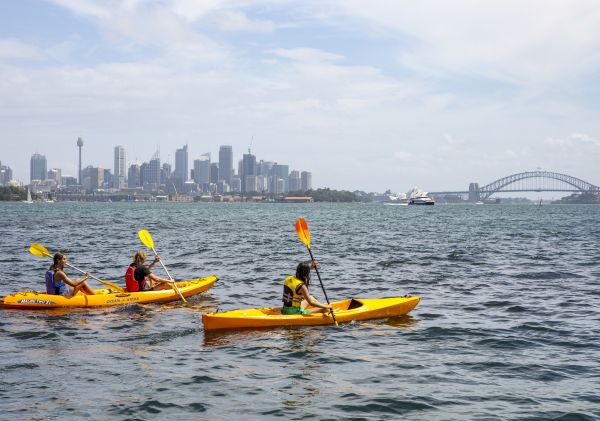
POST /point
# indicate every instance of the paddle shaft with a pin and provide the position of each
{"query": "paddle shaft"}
(170, 277)
(93, 277)
(322, 287)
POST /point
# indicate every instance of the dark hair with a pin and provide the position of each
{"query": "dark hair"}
(57, 258)
(303, 272)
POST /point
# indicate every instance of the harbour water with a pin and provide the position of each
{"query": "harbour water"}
(508, 326)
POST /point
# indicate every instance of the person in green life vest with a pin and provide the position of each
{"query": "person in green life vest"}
(296, 295)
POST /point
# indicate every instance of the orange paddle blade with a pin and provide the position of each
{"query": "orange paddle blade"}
(302, 231)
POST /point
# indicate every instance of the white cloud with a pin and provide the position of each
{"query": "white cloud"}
(574, 142)
(84, 8)
(15, 49)
(235, 20)
(308, 55)
(521, 42)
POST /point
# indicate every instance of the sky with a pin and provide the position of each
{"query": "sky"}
(377, 95)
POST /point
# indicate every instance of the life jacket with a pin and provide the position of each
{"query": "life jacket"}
(291, 295)
(53, 287)
(132, 284)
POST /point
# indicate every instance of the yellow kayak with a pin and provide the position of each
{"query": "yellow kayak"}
(345, 311)
(106, 297)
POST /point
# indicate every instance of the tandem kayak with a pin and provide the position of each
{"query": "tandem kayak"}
(345, 311)
(106, 297)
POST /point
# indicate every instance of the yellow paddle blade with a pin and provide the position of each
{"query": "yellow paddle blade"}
(146, 238)
(303, 232)
(39, 250)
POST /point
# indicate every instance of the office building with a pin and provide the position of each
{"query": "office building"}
(251, 183)
(214, 172)
(120, 168)
(68, 181)
(264, 167)
(109, 180)
(55, 174)
(282, 172)
(6, 174)
(153, 173)
(144, 169)
(306, 181)
(236, 184)
(165, 173)
(248, 169)
(202, 168)
(133, 176)
(226, 163)
(93, 178)
(262, 183)
(294, 181)
(38, 168)
(181, 163)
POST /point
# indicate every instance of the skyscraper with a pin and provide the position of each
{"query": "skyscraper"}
(80, 145)
(248, 168)
(119, 175)
(55, 174)
(202, 169)
(282, 172)
(6, 174)
(38, 168)
(153, 172)
(214, 172)
(295, 180)
(306, 181)
(181, 163)
(133, 176)
(225, 163)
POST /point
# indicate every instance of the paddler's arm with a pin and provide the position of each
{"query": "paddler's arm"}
(156, 259)
(158, 280)
(74, 283)
(312, 300)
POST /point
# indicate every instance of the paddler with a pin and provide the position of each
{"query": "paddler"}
(58, 283)
(139, 277)
(296, 295)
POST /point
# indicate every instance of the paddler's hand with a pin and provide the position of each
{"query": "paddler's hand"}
(314, 264)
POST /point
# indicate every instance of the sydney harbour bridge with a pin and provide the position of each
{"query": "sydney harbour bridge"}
(531, 181)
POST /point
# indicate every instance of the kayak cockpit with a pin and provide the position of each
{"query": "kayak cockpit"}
(344, 305)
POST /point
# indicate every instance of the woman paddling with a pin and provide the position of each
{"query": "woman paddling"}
(296, 295)
(139, 277)
(58, 283)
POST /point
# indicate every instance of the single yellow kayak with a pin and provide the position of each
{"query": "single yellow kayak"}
(345, 311)
(106, 297)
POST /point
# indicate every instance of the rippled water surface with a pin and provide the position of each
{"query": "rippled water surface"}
(508, 326)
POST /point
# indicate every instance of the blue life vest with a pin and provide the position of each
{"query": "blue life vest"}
(52, 287)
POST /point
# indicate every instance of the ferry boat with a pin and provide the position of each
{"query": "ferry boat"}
(421, 200)
(418, 197)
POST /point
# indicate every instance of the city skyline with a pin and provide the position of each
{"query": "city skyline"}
(387, 96)
(252, 176)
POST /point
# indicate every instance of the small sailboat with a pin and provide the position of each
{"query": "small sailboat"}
(28, 197)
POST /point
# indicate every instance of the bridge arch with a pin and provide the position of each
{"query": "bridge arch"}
(500, 185)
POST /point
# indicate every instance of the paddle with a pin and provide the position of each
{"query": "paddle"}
(41, 251)
(147, 240)
(304, 235)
